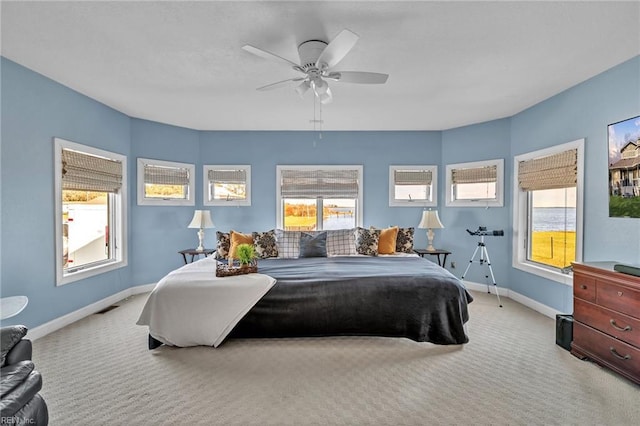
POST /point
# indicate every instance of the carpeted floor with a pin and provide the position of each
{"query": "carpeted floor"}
(98, 371)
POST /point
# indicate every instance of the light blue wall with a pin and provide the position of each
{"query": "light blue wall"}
(485, 141)
(34, 111)
(584, 111)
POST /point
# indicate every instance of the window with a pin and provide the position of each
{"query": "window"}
(165, 183)
(319, 197)
(547, 219)
(413, 185)
(227, 185)
(90, 215)
(477, 184)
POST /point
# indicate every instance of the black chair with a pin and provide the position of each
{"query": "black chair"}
(20, 382)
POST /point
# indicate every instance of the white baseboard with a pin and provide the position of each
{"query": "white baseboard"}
(71, 317)
(515, 296)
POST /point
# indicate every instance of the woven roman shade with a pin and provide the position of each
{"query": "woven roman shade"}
(84, 172)
(486, 174)
(227, 176)
(162, 175)
(307, 183)
(554, 171)
(412, 177)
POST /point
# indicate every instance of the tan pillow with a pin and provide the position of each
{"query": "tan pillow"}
(238, 238)
(387, 243)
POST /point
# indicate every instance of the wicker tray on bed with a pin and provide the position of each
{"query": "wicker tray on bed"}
(225, 270)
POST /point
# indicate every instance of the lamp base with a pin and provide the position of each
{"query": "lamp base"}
(200, 240)
(430, 236)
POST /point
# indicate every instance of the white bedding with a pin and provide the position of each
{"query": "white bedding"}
(191, 306)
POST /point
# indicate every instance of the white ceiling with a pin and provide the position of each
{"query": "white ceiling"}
(450, 63)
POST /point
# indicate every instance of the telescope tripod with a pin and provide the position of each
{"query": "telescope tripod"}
(484, 258)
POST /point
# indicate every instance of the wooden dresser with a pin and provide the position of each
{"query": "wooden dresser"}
(606, 313)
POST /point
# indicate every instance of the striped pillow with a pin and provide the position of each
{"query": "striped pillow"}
(288, 243)
(341, 242)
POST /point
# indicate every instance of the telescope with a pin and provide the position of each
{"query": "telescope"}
(482, 231)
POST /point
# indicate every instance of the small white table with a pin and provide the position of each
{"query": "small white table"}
(12, 306)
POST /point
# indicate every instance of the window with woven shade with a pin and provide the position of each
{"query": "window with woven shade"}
(227, 185)
(90, 211)
(165, 183)
(548, 208)
(475, 184)
(413, 186)
(319, 197)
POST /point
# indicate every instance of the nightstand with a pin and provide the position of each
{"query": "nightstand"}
(437, 252)
(194, 253)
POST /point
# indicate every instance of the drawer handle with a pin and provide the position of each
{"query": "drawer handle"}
(582, 286)
(617, 355)
(614, 325)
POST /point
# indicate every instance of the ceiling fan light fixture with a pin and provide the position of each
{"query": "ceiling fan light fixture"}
(320, 86)
(302, 88)
(326, 97)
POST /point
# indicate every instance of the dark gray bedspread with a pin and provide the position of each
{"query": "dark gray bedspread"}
(380, 296)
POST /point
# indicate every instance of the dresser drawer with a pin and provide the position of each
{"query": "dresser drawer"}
(613, 323)
(584, 287)
(608, 350)
(618, 298)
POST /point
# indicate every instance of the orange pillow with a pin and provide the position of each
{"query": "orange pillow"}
(387, 243)
(238, 238)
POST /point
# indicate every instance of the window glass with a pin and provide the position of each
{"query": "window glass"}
(90, 213)
(227, 185)
(476, 184)
(162, 183)
(411, 185)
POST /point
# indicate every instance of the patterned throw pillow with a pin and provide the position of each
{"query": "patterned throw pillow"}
(265, 244)
(367, 241)
(224, 244)
(288, 243)
(313, 245)
(404, 240)
(341, 242)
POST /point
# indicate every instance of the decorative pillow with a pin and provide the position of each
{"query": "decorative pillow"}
(404, 240)
(9, 337)
(224, 244)
(367, 241)
(313, 245)
(265, 244)
(387, 243)
(238, 238)
(341, 242)
(288, 243)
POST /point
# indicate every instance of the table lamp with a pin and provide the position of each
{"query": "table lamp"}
(430, 221)
(201, 219)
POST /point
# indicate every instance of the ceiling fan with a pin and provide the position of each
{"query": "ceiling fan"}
(317, 59)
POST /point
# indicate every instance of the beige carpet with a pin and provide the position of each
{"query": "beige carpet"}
(98, 371)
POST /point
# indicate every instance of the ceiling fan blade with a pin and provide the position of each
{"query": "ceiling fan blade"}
(358, 77)
(269, 56)
(280, 84)
(337, 49)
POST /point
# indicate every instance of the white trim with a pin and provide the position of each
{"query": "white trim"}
(121, 213)
(520, 226)
(207, 201)
(359, 168)
(516, 297)
(71, 317)
(191, 191)
(432, 202)
(480, 202)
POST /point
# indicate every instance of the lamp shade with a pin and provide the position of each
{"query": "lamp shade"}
(430, 220)
(201, 219)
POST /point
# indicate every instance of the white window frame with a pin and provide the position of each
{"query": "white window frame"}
(228, 203)
(480, 202)
(279, 207)
(119, 220)
(191, 190)
(520, 213)
(394, 202)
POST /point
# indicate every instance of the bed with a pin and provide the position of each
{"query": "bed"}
(391, 296)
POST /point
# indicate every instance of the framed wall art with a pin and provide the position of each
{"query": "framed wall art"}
(624, 168)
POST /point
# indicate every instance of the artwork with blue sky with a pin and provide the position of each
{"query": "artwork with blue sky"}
(620, 134)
